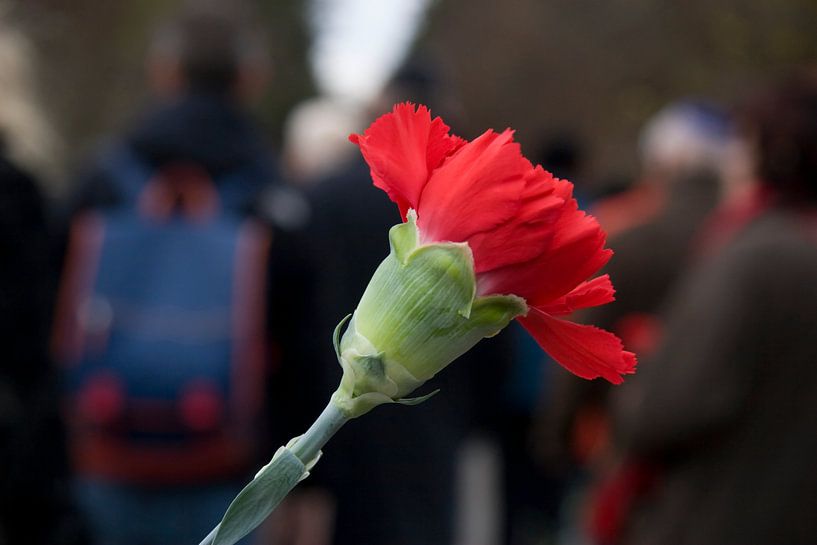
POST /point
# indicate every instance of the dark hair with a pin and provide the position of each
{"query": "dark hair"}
(782, 123)
(210, 48)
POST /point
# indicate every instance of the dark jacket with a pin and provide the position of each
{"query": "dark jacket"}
(32, 454)
(393, 470)
(728, 405)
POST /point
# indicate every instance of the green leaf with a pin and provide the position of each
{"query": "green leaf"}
(259, 498)
(417, 400)
(336, 335)
(403, 237)
(492, 313)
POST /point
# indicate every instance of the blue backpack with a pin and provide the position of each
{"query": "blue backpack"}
(160, 327)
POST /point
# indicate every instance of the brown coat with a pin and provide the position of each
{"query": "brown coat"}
(729, 403)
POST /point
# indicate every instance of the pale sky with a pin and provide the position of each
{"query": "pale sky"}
(358, 44)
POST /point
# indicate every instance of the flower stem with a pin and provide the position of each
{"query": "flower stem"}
(306, 449)
(328, 423)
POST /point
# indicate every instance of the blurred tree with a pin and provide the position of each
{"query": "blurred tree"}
(91, 61)
(291, 78)
(604, 67)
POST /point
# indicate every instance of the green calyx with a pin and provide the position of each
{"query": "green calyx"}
(418, 314)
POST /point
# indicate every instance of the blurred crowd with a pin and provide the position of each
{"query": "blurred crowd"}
(167, 325)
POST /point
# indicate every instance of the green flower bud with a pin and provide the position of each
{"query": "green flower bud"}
(418, 313)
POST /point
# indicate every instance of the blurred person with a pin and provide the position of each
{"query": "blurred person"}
(33, 507)
(563, 153)
(741, 200)
(726, 406)
(684, 149)
(533, 488)
(422, 80)
(654, 228)
(316, 139)
(30, 141)
(417, 447)
(684, 137)
(165, 312)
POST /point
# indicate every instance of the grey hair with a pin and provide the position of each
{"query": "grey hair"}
(26, 136)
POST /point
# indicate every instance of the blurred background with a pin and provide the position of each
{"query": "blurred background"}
(167, 164)
(597, 70)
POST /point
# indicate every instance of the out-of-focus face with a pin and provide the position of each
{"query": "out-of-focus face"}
(164, 76)
(167, 80)
(253, 79)
(738, 168)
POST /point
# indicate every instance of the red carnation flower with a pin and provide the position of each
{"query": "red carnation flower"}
(523, 226)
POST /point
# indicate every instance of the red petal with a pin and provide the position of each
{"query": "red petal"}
(595, 292)
(576, 251)
(475, 190)
(402, 148)
(564, 189)
(585, 351)
(527, 233)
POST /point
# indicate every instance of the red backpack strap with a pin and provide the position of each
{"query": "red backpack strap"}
(82, 259)
(249, 320)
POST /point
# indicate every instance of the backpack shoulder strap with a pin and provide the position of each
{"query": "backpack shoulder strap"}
(239, 188)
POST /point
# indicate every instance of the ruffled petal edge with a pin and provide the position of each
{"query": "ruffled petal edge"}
(584, 350)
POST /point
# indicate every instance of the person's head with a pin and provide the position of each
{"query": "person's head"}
(26, 136)
(779, 125)
(683, 138)
(208, 51)
(316, 138)
(421, 79)
(561, 152)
